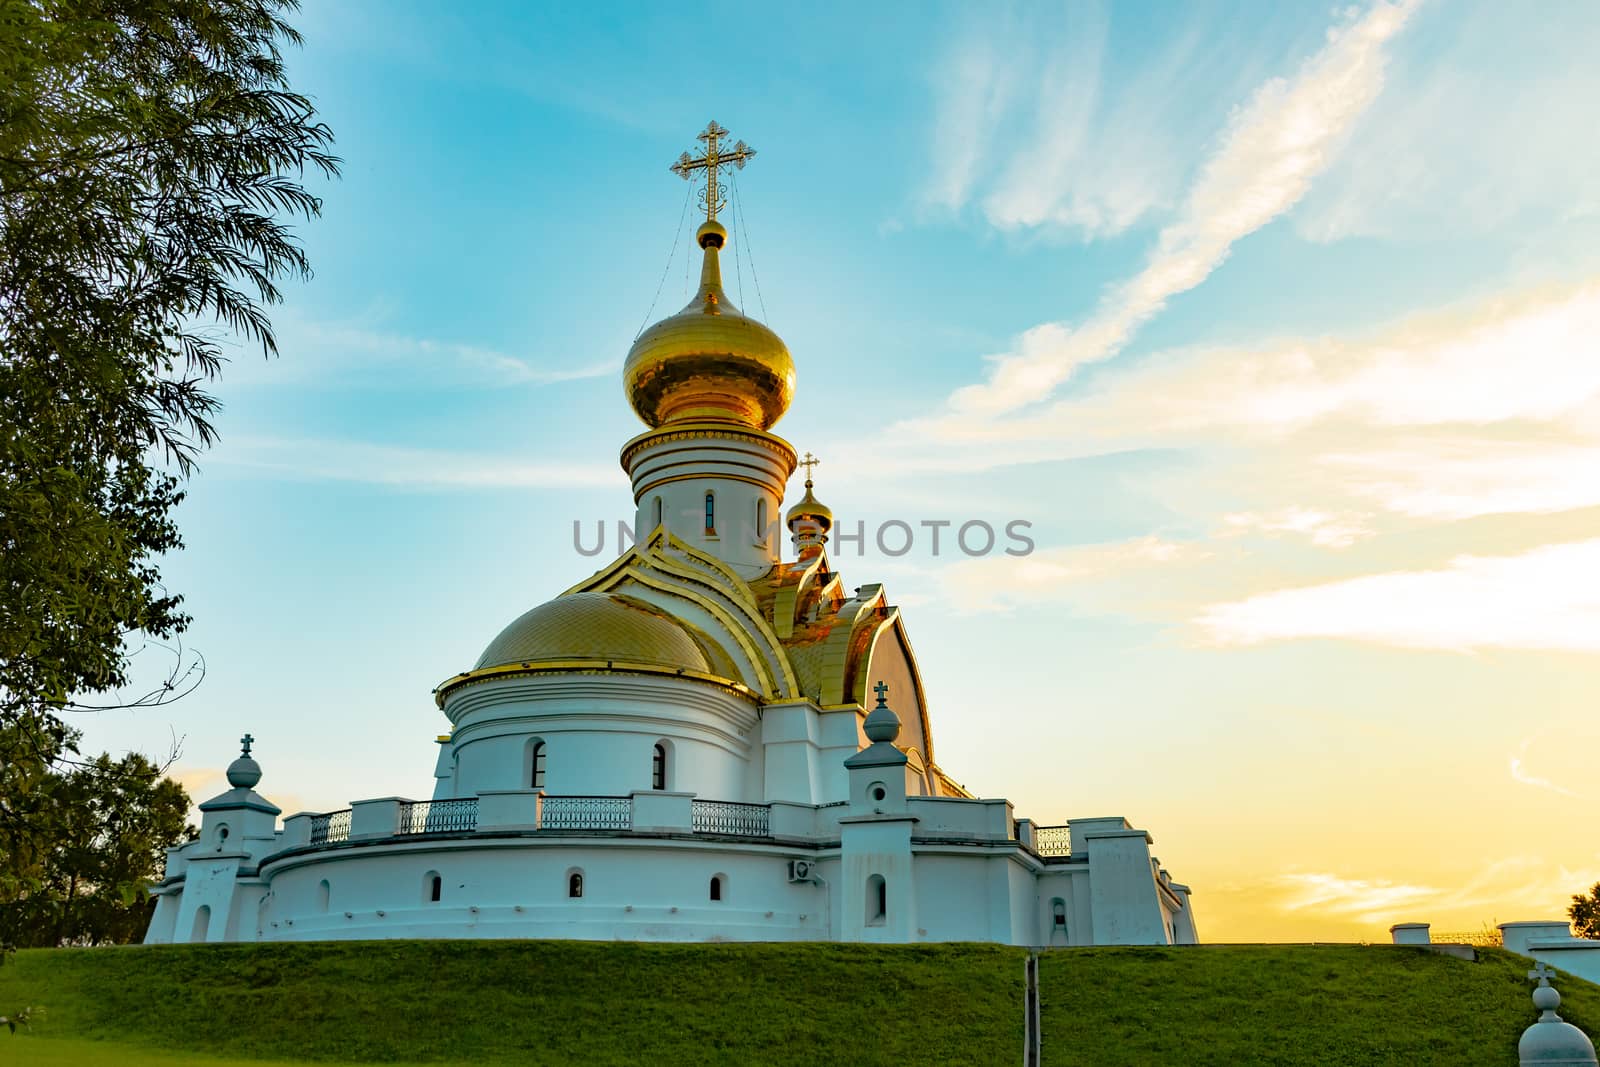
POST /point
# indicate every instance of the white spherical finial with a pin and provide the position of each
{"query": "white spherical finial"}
(1552, 1040)
(883, 724)
(244, 772)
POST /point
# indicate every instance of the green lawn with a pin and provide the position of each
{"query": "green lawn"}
(575, 1002)
(1324, 1005)
(527, 1002)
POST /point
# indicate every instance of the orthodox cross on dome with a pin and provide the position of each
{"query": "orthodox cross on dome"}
(246, 741)
(1542, 973)
(716, 157)
(883, 694)
(809, 462)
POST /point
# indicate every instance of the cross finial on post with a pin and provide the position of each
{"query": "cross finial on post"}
(716, 157)
(809, 462)
(246, 741)
(883, 694)
(1542, 973)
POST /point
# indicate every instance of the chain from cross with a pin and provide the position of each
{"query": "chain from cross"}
(247, 741)
(1542, 973)
(712, 163)
(883, 694)
(809, 462)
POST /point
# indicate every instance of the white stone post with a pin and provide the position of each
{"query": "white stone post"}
(297, 829)
(1410, 933)
(659, 811)
(376, 818)
(509, 809)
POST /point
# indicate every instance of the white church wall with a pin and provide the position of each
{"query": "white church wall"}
(789, 744)
(600, 734)
(164, 923)
(952, 897)
(962, 817)
(740, 472)
(1071, 890)
(658, 891)
(1125, 905)
(876, 850)
(839, 737)
(205, 908)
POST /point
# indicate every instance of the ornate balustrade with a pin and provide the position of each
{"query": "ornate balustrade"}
(729, 817)
(1479, 938)
(586, 813)
(1052, 842)
(330, 826)
(439, 816)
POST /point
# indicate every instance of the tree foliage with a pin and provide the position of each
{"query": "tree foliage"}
(80, 841)
(1585, 913)
(151, 161)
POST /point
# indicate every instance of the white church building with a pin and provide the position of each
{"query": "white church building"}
(703, 741)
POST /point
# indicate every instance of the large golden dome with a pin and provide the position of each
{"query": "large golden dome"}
(595, 626)
(710, 360)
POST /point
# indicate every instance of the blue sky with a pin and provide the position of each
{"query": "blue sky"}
(1277, 323)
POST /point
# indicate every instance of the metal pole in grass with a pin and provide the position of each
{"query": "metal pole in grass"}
(1030, 1046)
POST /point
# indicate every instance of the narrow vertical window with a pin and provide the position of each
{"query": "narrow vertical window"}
(536, 781)
(877, 900)
(575, 885)
(435, 889)
(324, 891)
(761, 519)
(658, 512)
(658, 768)
(711, 513)
(716, 887)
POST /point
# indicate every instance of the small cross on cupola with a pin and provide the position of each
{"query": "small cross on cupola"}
(245, 742)
(883, 694)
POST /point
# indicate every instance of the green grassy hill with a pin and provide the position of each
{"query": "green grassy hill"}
(592, 1003)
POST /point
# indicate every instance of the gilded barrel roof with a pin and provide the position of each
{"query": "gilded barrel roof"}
(595, 626)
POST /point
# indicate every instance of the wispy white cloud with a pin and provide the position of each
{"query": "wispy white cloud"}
(415, 468)
(1362, 899)
(1484, 130)
(1273, 148)
(1547, 598)
(356, 350)
(1093, 574)
(1035, 128)
(1517, 764)
(1318, 527)
(976, 85)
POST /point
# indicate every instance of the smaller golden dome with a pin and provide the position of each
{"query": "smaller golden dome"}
(810, 508)
(595, 626)
(710, 360)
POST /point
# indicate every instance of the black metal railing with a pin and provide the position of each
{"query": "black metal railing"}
(730, 817)
(586, 813)
(439, 816)
(330, 826)
(1052, 842)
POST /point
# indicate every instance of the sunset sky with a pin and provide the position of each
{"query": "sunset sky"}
(1283, 332)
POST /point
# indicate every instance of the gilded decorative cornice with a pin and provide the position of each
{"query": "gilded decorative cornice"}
(703, 431)
(586, 666)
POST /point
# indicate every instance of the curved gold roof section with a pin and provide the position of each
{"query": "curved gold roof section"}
(667, 566)
(600, 626)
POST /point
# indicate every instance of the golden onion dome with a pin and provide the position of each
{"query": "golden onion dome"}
(595, 626)
(812, 509)
(710, 360)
